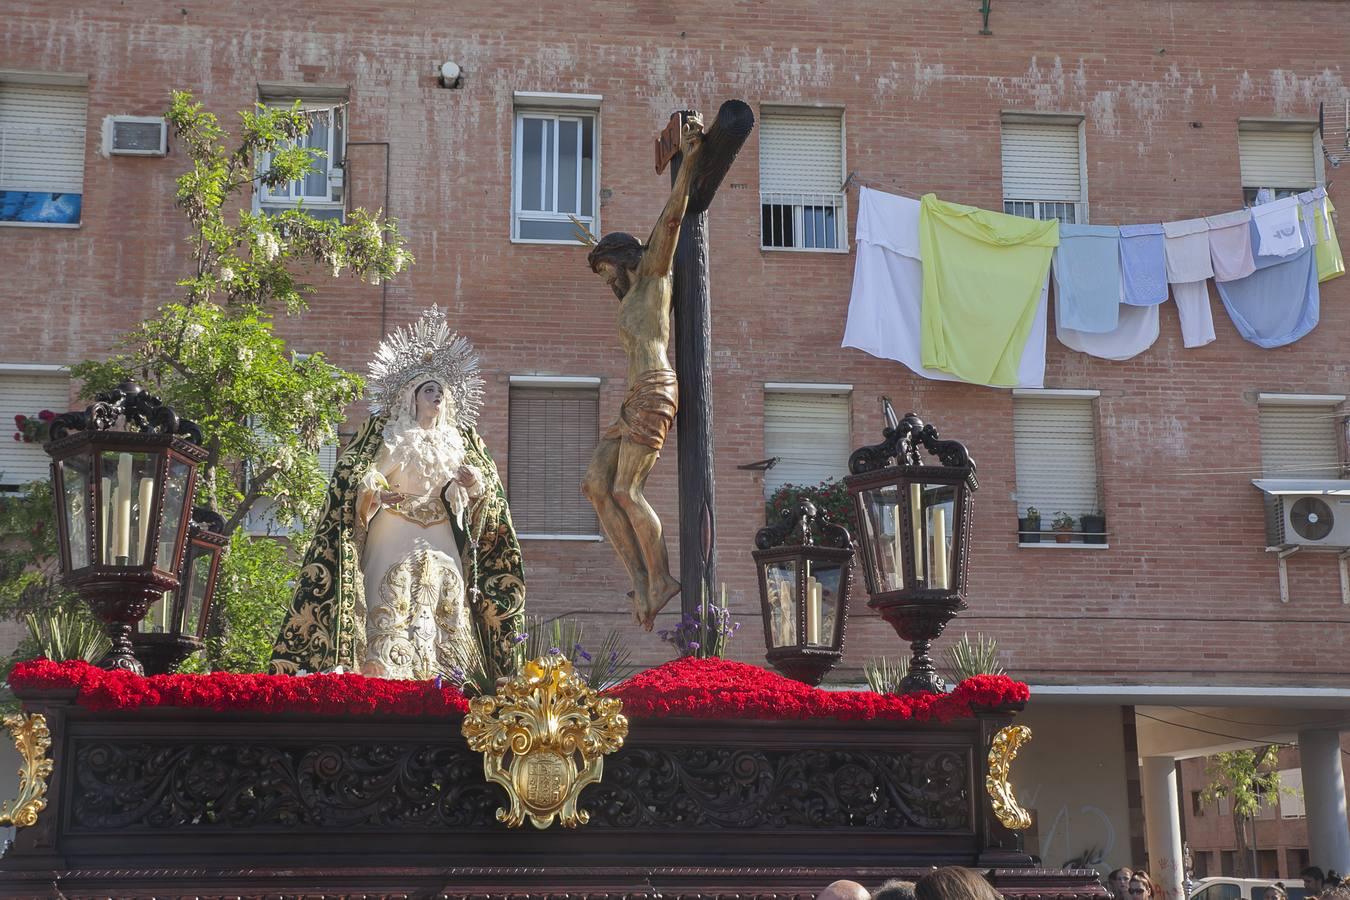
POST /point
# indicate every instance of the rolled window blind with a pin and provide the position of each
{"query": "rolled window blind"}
(809, 433)
(1299, 441)
(1055, 446)
(1041, 162)
(553, 433)
(28, 395)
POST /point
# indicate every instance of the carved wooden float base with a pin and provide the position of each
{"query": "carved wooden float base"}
(178, 802)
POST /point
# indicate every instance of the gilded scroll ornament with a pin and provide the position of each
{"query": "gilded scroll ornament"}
(32, 740)
(544, 737)
(1002, 751)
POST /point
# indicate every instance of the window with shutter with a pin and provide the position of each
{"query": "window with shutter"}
(28, 394)
(553, 433)
(1043, 171)
(809, 433)
(1055, 449)
(555, 175)
(1300, 440)
(42, 131)
(801, 170)
(1283, 160)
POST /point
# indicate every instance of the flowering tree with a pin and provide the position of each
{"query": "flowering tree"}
(1248, 779)
(213, 355)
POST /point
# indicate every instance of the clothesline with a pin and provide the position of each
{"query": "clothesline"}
(893, 186)
(951, 290)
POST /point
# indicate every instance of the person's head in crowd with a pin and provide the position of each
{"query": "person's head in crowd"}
(954, 883)
(1275, 892)
(1118, 883)
(1312, 880)
(1333, 879)
(844, 890)
(895, 889)
(1141, 886)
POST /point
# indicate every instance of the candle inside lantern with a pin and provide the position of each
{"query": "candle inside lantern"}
(897, 557)
(940, 547)
(147, 493)
(916, 518)
(104, 535)
(813, 610)
(122, 512)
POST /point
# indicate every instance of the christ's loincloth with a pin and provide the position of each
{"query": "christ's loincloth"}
(648, 409)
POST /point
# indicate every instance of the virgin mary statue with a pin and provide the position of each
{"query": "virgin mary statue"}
(414, 557)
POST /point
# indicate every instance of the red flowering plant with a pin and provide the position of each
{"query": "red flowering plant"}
(687, 687)
(34, 429)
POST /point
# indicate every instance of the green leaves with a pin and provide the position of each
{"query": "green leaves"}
(255, 260)
(214, 357)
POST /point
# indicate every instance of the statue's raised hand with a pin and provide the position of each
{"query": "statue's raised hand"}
(691, 133)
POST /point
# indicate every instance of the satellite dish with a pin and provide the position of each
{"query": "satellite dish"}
(1311, 518)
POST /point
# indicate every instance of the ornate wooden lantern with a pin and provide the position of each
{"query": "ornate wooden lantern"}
(123, 474)
(175, 625)
(803, 591)
(915, 520)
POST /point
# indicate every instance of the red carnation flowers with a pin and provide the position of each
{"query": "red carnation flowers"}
(695, 688)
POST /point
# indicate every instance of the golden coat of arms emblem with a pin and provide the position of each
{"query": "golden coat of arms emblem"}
(544, 737)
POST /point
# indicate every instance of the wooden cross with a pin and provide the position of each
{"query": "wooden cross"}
(693, 344)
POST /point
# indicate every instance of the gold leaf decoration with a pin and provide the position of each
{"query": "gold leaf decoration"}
(544, 737)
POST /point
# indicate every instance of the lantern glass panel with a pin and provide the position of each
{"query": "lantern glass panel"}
(936, 519)
(822, 602)
(159, 618)
(175, 507)
(128, 506)
(198, 573)
(75, 508)
(780, 580)
(880, 520)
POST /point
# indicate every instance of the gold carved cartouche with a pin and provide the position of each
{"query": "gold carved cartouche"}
(544, 737)
(33, 740)
(1002, 751)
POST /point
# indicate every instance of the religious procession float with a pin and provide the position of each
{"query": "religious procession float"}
(410, 739)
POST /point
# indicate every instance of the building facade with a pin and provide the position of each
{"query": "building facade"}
(1166, 598)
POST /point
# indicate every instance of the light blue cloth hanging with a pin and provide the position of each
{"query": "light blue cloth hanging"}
(1087, 278)
(1143, 264)
(1278, 303)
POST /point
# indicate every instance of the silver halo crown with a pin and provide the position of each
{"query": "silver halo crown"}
(427, 349)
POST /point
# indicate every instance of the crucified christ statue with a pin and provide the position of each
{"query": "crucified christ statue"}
(640, 276)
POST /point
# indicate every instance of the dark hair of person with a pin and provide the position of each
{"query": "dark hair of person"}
(617, 247)
(1314, 873)
(954, 883)
(1142, 877)
(1128, 872)
(895, 889)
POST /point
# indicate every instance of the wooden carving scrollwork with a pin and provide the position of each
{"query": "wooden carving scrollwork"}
(32, 739)
(1002, 751)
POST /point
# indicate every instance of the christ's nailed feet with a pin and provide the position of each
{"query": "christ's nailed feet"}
(663, 588)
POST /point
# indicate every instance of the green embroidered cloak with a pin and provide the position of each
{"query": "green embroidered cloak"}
(325, 625)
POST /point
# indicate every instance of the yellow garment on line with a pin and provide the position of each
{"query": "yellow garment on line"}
(982, 278)
(1330, 262)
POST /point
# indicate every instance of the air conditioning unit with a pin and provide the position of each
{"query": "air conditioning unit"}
(1308, 514)
(135, 136)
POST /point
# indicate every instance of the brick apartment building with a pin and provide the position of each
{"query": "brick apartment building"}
(1083, 109)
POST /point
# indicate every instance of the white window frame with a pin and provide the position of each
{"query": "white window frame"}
(264, 200)
(1040, 207)
(1300, 126)
(37, 370)
(799, 201)
(554, 381)
(61, 79)
(807, 389)
(1020, 505)
(554, 107)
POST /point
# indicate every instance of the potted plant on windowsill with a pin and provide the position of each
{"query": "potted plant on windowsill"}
(1029, 527)
(1062, 525)
(1094, 527)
